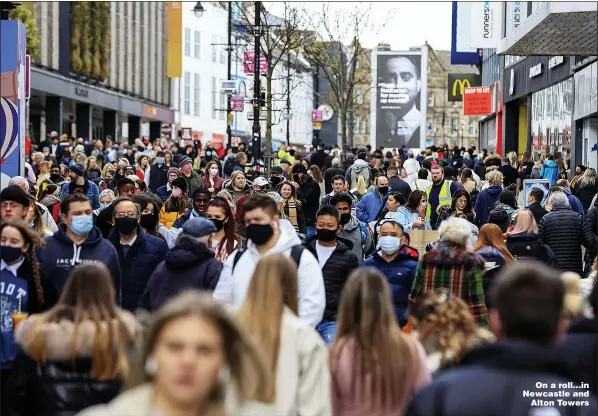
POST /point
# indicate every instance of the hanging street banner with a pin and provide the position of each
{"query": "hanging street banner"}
(458, 82)
(237, 103)
(477, 101)
(249, 60)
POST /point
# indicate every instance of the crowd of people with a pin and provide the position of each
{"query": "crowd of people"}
(172, 279)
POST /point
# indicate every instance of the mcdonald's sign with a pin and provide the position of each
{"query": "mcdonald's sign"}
(458, 82)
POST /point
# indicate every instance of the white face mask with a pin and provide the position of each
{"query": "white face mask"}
(214, 171)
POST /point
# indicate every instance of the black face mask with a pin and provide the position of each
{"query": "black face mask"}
(345, 218)
(219, 224)
(126, 225)
(292, 152)
(383, 190)
(325, 235)
(259, 233)
(55, 177)
(296, 178)
(275, 180)
(148, 221)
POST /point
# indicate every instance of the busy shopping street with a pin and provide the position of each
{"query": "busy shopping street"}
(299, 208)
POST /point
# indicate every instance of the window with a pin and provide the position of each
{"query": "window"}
(214, 49)
(364, 127)
(359, 96)
(222, 114)
(223, 51)
(471, 127)
(187, 42)
(431, 100)
(196, 95)
(213, 98)
(187, 93)
(356, 123)
(196, 49)
(454, 126)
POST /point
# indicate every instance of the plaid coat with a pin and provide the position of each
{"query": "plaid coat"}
(449, 266)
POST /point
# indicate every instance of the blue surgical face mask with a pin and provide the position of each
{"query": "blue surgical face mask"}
(389, 244)
(82, 224)
(104, 206)
(160, 160)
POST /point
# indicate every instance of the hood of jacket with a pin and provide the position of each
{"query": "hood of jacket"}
(492, 157)
(228, 185)
(550, 164)
(186, 252)
(494, 190)
(359, 165)
(352, 224)
(61, 336)
(519, 355)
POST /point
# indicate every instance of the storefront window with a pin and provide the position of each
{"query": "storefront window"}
(551, 118)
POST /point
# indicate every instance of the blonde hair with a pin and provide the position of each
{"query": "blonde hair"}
(384, 359)
(573, 301)
(494, 177)
(275, 279)
(360, 187)
(107, 167)
(252, 381)
(445, 325)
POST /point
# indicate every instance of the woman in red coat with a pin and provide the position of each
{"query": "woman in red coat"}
(212, 180)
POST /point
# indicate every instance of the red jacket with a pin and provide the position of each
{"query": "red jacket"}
(218, 181)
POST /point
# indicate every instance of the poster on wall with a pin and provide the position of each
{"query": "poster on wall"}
(398, 116)
(477, 101)
(529, 184)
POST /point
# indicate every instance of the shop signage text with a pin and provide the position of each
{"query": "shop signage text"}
(81, 92)
(458, 82)
(477, 101)
(535, 70)
(555, 61)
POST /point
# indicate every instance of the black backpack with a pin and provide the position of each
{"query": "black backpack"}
(229, 165)
(296, 252)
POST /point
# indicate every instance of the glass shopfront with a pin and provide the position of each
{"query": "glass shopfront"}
(551, 118)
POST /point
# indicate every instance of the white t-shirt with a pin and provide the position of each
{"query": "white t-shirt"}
(324, 253)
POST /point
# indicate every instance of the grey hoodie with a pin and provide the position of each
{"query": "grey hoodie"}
(358, 168)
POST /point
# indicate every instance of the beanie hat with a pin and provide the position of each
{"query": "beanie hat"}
(77, 169)
(299, 168)
(184, 160)
(276, 169)
(180, 183)
(15, 194)
(174, 170)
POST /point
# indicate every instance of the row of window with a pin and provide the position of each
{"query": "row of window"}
(192, 97)
(454, 127)
(218, 44)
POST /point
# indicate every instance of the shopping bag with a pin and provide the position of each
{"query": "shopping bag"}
(421, 238)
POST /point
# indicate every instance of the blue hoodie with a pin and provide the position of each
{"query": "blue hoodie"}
(574, 202)
(485, 202)
(550, 171)
(12, 288)
(61, 256)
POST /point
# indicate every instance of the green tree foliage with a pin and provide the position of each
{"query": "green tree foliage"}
(26, 14)
(76, 33)
(103, 10)
(95, 41)
(86, 40)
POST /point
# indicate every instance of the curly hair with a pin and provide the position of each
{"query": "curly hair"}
(445, 325)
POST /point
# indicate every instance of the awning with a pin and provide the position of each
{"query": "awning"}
(555, 28)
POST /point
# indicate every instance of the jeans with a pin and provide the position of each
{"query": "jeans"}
(327, 330)
(311, 230)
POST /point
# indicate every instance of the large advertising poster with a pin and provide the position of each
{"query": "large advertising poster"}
(399, 95)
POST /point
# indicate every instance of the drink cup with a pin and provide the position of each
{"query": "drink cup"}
(17, 318)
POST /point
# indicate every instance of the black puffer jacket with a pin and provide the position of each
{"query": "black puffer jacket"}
(309, 194)
(510, 367)
(342, 261)
(585, 195)
(528, 246)
(61, 386)
(564, 231)
(591, 223)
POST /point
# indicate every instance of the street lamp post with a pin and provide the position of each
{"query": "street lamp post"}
(256, 130)
(228, 75)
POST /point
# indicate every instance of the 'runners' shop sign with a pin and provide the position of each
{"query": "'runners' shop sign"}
(534, 74)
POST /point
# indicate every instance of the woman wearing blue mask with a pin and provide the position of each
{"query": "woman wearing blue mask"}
(412, 216)
(397, 262)
(106, 198)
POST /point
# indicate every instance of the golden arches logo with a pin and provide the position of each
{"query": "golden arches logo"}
(461, 84)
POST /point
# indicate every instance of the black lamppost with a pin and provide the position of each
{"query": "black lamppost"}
(256, 139)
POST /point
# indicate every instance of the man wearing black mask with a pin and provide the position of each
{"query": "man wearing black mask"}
(353, 230)
(336, 261)
(268, 234)
(309, 192)
(276, 177)
(139, 253)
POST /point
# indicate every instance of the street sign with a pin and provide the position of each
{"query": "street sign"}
(229, 86)
(230, 119)
(316, 125)
(248, 63)
(316, 115)
(186, 133)
(250, 115)
(236, 103)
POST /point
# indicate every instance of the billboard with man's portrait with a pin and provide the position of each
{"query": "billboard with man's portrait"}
(399, 98)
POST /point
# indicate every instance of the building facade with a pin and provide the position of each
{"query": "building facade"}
(101, 70)
(446, 123)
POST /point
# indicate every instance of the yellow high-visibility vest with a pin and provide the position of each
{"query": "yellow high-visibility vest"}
(444, 197)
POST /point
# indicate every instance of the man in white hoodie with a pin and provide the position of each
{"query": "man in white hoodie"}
(411, 166)
(268, 234)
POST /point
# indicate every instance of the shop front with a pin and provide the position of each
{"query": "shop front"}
(585, 111)
(538, 98)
